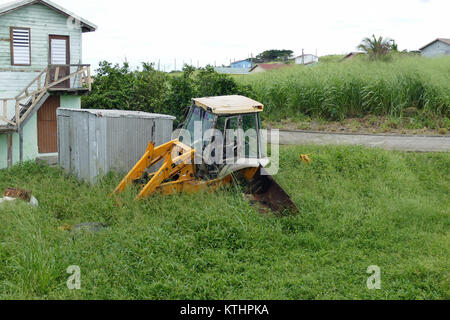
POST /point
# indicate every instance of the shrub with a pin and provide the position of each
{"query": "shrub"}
(149, 90)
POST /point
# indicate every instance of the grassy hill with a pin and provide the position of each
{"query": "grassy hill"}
(360, 207)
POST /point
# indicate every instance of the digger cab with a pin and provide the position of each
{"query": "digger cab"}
(226, 134)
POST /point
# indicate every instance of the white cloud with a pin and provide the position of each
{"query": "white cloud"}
(217, 31)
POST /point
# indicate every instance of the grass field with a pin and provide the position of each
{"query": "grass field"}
(339, 90)
(360, 207)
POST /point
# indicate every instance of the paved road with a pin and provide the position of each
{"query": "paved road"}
(388, 142)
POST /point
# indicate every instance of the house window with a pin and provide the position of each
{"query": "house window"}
(20, 47)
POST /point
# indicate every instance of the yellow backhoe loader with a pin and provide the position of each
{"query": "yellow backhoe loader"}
(220, 143)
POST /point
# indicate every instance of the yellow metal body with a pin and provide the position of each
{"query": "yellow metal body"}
(177, 169)
(177, 173)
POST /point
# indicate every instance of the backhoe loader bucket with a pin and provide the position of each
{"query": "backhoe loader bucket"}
(266, 191)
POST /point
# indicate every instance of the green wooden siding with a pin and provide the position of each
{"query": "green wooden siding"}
(43, 22)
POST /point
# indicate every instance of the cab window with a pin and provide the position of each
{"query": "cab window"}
(250, 135)
(204, 118)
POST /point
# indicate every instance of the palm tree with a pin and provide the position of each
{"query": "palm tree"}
(376, 47)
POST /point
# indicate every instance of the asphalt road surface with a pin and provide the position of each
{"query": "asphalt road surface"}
(387, 142)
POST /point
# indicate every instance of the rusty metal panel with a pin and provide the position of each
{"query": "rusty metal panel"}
(95, 142)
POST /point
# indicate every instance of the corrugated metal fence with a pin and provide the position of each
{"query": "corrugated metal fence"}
(92, 143)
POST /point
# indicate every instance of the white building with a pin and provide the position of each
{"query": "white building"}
(438, 47)
(306, 59)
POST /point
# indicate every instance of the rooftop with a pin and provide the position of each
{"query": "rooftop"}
(444, 40)
(306, 55)
(229, 104)
(102, 113)
(228, 70)
(270, 66)
(15, 5)
(244, 60)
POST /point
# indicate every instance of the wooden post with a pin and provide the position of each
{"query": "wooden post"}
(10, 154)
(20, 144)
(80, 80)
(17, 113)
(5, 109)
(89, 78)
(47, 76)
(56, 74)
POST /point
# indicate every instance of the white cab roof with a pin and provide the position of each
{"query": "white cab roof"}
(229, 104)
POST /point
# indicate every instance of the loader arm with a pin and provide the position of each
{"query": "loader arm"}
(177, 160)
(181, 165)
(152, 156)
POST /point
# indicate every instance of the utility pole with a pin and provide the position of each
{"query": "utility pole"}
(303, 56)
(175, 64)
(159, 65)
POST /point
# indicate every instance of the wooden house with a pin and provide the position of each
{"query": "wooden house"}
(40, 70)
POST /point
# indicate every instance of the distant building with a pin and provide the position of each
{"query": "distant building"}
(351, 55)
(438, 47)
(228, 70)
(268, 66)
(306, 59)
(242, 64)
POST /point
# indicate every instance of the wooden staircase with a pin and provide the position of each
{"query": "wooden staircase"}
(54, 79)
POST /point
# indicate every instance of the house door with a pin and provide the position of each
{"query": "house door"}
(59, 54)
(46, 125)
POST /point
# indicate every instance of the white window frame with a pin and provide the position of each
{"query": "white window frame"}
(13, 62)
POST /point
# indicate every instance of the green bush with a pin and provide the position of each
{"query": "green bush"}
(118, 87)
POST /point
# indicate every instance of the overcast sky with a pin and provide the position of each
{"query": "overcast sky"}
(211, 31)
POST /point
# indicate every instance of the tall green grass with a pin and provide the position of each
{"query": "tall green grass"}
(359, 207)
(337, 90)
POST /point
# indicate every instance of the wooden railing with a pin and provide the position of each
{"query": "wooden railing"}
(4, 112)
(52, 77)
